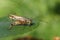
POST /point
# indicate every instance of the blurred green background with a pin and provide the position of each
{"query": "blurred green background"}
(44, 13)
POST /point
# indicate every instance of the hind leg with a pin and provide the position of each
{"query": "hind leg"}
(11, 26)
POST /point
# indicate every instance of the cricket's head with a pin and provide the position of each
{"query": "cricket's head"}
(29, 21)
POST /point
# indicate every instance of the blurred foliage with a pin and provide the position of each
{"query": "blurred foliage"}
(42, 12)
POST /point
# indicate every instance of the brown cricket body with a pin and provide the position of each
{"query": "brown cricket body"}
(18, 20)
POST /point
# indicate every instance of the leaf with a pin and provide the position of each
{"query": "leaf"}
(47, 25)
